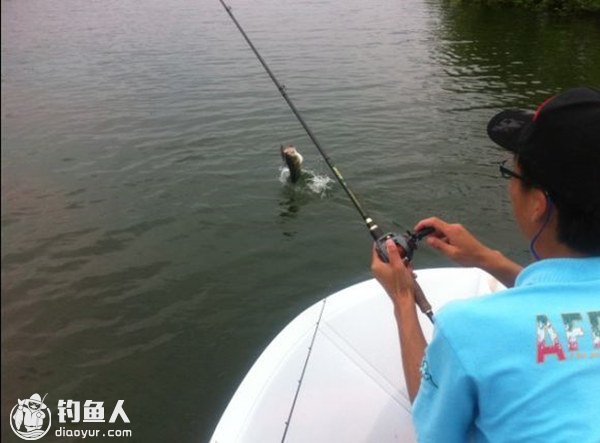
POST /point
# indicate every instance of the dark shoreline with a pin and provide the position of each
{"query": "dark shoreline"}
(556, 6)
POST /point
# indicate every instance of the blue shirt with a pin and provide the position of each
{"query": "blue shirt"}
(520, 365)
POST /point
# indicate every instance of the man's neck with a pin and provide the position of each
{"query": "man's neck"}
(548, 246)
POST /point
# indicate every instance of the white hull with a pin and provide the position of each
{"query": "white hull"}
(353, 388)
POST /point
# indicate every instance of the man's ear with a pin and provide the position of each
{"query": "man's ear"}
(540, 205)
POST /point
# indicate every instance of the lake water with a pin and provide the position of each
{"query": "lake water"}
(150, 250)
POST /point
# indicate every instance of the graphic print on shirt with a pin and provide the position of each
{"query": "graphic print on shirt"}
(595, 322)
(426, 375)
(547, 340)
(572, 329)
(576, 326)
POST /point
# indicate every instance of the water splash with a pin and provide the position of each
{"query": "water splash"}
(284, 175)
(319, 184)
(309, 181)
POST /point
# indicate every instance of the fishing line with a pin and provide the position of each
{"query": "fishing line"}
(407, 242)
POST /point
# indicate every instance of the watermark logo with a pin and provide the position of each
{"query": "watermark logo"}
(30, 419)
(93, 412)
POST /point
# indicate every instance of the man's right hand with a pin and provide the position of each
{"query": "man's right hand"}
(455, 242)
(459, 245)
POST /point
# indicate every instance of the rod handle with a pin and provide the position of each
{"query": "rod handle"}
(422, 302)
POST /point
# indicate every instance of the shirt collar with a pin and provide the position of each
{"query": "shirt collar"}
(557, 270)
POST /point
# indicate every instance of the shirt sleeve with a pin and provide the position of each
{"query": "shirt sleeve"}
(446, 404)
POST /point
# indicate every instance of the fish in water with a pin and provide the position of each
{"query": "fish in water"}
(293, 161)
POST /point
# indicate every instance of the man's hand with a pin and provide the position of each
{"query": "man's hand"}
(455, 242)
(459, 245)
(396, 278)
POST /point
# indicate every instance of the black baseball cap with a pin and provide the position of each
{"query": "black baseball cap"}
(557, 146)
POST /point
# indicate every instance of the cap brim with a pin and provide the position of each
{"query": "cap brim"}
(506, 127)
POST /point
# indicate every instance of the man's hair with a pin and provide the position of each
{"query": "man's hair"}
(577, 228)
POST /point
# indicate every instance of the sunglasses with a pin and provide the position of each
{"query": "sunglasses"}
(508, 173)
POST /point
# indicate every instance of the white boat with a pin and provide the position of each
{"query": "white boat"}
(349, 385)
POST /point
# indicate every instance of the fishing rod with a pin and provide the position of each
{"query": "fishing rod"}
(407, 242)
